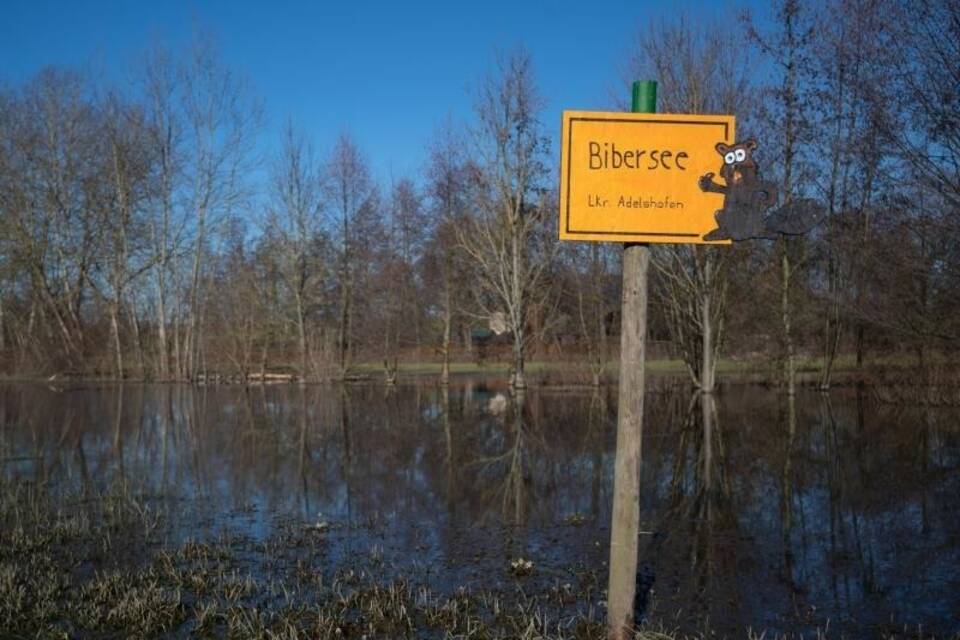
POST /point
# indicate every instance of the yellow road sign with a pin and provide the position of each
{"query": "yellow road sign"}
(633, 177)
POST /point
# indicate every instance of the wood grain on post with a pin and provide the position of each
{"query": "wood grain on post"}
(625, 521)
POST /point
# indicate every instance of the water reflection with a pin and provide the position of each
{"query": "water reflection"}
(692, 555)
(757, 509)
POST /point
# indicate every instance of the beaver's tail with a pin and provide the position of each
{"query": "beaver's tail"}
(795, 218)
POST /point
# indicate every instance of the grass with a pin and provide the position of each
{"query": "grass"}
(94, 565)
(60, 577)
(844, 364)
(757, 368)
(536, 367)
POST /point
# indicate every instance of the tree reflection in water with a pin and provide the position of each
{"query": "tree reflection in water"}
(503, 472)
(756, 511)
(691, 550)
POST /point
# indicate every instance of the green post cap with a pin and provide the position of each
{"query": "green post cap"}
(644, 96)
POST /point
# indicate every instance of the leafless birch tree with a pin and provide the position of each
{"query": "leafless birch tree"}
(505, 237)
(167, 221)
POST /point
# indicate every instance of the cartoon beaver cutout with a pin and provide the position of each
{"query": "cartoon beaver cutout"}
(746, 198)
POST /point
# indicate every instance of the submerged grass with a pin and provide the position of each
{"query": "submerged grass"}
(95, 565)
(98, 564)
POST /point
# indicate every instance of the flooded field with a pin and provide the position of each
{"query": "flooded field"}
(357, 511)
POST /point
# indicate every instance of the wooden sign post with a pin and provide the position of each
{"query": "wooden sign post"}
(625, 521)
(636, 178)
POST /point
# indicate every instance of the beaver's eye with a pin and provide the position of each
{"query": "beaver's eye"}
(730, 158)
(741, 155)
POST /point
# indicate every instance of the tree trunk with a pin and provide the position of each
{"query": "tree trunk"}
(789, 368)
(263, 362)
(832, 334)
(135, 327)
(177, 342)
(447, 321)
(69, 344)
(3, 328)
(517, 309)
(707, 364)
(162, 349)
(447, 324)
(184, 355)
(115, 335)
(193, 341)
(519, 380)
(342, 329)
(859, 346)
(24, 342)
(302, 335)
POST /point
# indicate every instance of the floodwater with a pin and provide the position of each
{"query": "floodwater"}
(832, 512)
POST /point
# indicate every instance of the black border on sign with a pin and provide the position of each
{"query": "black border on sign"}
(726, 134)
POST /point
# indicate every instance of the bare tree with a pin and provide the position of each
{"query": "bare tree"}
(399, 285)
(448, 191)
(914, 293)
(788, 48)
(926, 59)
(851, 59)
(294, 222)
(347, 188)
(505, 237)
(167, 221)
(52, 229)
(593, 290)
(126, 254)
(697, 73)
(220, 120)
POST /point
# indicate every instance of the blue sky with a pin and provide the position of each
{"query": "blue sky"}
(386, 72)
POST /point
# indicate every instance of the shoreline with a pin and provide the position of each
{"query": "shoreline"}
(538, 373)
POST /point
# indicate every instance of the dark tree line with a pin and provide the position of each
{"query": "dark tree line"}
(141, 236)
